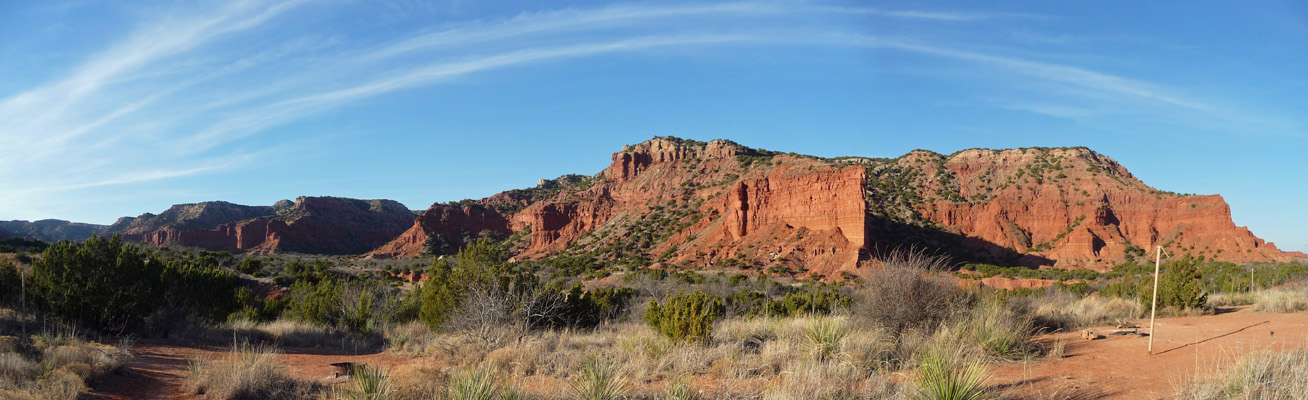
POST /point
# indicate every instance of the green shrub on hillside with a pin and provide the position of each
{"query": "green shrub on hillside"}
(686, 316)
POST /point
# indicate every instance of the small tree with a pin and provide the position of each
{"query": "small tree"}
(1181, 285)
(101, 283)
(686, 316)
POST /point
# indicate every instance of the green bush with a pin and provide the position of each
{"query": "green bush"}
(686, 316)
(1181, 285)
(480, 266)
(588, 308)
(10, 283)
(198, 291)
(101, 283)
(250, 266)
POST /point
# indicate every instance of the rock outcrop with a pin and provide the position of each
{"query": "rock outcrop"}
(689, 204)
(1070, 207)
(312, 225)
(448, 224)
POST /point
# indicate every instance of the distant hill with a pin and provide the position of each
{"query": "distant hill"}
(312, 225)
(49, 230)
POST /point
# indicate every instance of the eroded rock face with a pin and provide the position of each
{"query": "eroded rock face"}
(313, 225)
(718, 204)
(443, 220)
(709, 204)
(1074, 207)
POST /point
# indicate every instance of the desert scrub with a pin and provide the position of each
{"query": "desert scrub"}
(948, 375)
(54, 365)
(1258, 375)
(599, 379)
(825, 336)
(686, 316)
(368, 384)
(245, 373)
(479, 384)
(1058, 310)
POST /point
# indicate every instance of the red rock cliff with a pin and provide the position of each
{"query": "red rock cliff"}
(444, 220)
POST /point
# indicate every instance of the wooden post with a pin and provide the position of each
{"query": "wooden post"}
(1153, 308)
(22, 297)
(1251, 278)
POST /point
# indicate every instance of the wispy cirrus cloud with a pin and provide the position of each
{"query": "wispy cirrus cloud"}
(187, 89)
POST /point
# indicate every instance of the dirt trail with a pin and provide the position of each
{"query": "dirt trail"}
(159, 369)
(1119, 367)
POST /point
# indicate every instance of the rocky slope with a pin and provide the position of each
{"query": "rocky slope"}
(720, 204)
(314, 225)
(49, 230)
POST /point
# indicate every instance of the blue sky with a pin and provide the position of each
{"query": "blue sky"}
(110, 109)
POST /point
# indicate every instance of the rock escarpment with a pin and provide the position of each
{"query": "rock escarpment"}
(443, 228)
(1067, 207)
(689, 204)
(314, 225)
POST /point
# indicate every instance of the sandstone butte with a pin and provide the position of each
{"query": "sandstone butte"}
(670, 201)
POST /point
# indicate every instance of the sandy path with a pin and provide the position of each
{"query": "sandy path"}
(159, 368)
(1119, 367)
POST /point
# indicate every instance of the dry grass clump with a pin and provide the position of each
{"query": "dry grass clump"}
(945, 374)
(246, 373)
(1281, 301)
(480, 384)
(1267, 300)
(990, 329)
(292, 333)
(55, 365)
(1062, 310)
(416, 381)
(1258, 375)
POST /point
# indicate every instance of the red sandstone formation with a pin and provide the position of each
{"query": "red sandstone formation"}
(451, 221)
(722, 205)
(314, 225)
(1079, 209)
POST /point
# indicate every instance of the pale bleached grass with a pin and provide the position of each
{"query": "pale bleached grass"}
(1266, 300)
(745, 357)
(1066, 311)
(55, 365)
(246, 372)
(1257, 375)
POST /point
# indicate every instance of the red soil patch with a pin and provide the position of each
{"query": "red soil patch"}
(159, 369)
(1119, 367)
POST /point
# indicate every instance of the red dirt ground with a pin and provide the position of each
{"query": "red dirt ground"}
(1119, 367)
(159, 369)
(1115, 367)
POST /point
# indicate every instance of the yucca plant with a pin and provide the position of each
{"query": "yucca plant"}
(825, 336)
(599, 380)
(946, 375)
(679, 389)
(369, 384)
(479, 384)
